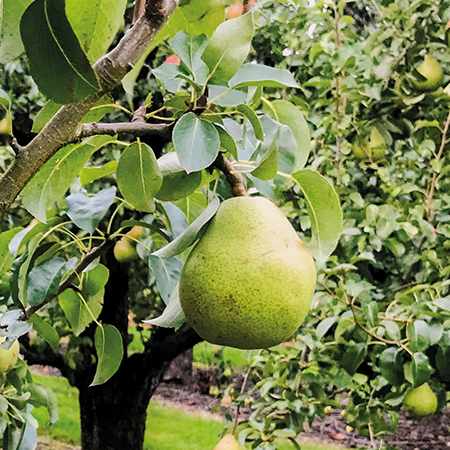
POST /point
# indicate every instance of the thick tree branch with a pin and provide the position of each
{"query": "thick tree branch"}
(235, 180)
(63, 127)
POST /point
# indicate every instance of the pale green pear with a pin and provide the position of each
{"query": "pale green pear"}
(228, 442)
(373, 149)
(431, 70)
(249, 281)
(420, 402)
(8, 357)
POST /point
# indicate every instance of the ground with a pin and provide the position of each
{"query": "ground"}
(429, 433)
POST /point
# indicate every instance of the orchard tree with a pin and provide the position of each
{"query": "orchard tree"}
(120, 176)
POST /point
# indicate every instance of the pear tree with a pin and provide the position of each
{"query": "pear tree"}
(103, 159)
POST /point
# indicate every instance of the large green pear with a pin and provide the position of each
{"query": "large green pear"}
(249, 281)
(420, 402)
(431, 71)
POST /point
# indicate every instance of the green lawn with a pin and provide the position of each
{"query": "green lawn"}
(167, 428)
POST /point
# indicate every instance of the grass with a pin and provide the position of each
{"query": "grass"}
(167, 428)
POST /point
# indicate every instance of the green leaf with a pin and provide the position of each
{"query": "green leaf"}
(196, 142)
(248, 112)
(190, 235)
(42, 396)
(260, 75)
(391, 366)
(443, 357)
(267, 166)
(57, 63)
(109, 348)
(173, 316)
(138, 176)
(324, 211)
(167, 272)
(79, 312)
(89, 174)
(228, 48)
(94, 281)
(443, 303)
(288, 114)
(6, 259)
(45, 330)
(177, 183)
(3, 405)
(419, 335)
(324, 326)
(420, 368)
(226, 97)
(12, 45)
(51, 183)
(226, 141)
(44, 280)
(353, 357)
(95, 23)
(370, 311)
(87, 212)
(189, 49)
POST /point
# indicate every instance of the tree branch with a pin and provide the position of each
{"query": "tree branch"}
(247, 6)
(63, 127)
(235, 180)
(137, 129)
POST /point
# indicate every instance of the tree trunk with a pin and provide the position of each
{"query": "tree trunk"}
(113, 415)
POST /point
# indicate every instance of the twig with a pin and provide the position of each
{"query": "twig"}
(247, 6)
(67, 283)
(430, 195)
(235, 180)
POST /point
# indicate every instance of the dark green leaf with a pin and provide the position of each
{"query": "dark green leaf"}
(370, 311)
(196, 142)
(12, 327)
(138, 176)
(420, 368)
(253, 119)
(51, 183)
(57, 63)
(228, 48)
(353, 357)
(227, 142)
(43, 396)
(391, 366)
(189, 49)
(45, 330)
(324, 211)
(267, 166)
(109, 348)
(87, 212)
(177, 183)
(89, 174)
(419, 335)
(44, 280)
(260, 75)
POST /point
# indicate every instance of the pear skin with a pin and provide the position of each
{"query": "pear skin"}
(228, 442)
(420, 402)
(249, 281)
(431, 70)
(8, 357)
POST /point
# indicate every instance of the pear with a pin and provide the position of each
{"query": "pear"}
(431, 70)
(228, 442)
(249, 281)
(125, 248)
(374, 149)
(420, 402)
(8, 357)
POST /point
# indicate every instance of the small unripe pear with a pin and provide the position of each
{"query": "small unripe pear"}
(420, 402)
(249, 281)
(124, 252)
(228, 442)
(431, 70)
(372, 150)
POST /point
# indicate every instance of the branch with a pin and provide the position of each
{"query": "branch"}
(63, 127)
(137, 129)
(235, 180)
(67, 283)
(247, 6)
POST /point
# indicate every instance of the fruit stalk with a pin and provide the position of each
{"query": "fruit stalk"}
(235, 180)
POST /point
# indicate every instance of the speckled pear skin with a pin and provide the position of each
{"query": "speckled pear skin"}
(249, 281)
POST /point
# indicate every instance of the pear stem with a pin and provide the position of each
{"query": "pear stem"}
(234, 179)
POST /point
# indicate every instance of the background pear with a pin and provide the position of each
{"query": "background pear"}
(8, 357)
(431, 70)
(420, 402)
(249, 281)
(373, 149)
(228, 442)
